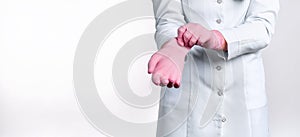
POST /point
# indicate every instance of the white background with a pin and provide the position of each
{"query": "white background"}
(38, 39)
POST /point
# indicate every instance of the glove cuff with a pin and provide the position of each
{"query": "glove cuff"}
(222, 45)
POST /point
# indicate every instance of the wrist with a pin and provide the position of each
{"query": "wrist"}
(172, 43)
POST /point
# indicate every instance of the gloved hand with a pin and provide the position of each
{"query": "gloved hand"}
(195, 34)
(166, 65)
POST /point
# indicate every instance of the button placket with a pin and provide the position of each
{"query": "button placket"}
(219, 78)
(223, 119)
(218, 84)
(219, 21)
(220, 17)
(220, 93)
(217, 120)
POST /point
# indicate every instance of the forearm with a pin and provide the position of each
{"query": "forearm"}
(169, 17)
(256, 32)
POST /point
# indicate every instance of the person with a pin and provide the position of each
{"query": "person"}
(224, 38)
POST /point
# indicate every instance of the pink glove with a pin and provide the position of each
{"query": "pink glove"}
(194, 34)
(166, 65)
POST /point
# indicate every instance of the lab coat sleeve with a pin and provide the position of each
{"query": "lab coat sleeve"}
(256, 32)
(169, 17)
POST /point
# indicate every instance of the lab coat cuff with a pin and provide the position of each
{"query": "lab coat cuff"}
(161, 37)
(232, 40)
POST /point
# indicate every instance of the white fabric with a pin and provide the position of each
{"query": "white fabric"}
(232, 81)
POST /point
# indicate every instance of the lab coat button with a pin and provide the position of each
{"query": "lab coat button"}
(224, 119)
(219, 1)
(220, 93)
(218, 68)
(219, 21)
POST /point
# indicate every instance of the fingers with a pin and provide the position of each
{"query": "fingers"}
(186, 38)
(176, 85)
(193, 41)
(160, 78)
(172, 79)
(178, 81)
(181, 31)
(163, 81)
(156, 78)
(170, 85)
(152, 63)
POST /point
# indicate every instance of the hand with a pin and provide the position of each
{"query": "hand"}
(166, 65)
(194, 34)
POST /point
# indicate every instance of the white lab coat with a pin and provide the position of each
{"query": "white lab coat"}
(222, 93)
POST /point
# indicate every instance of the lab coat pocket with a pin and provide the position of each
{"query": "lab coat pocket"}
(176, 105)
(255, 83)
(170, 97)
(172, 111)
